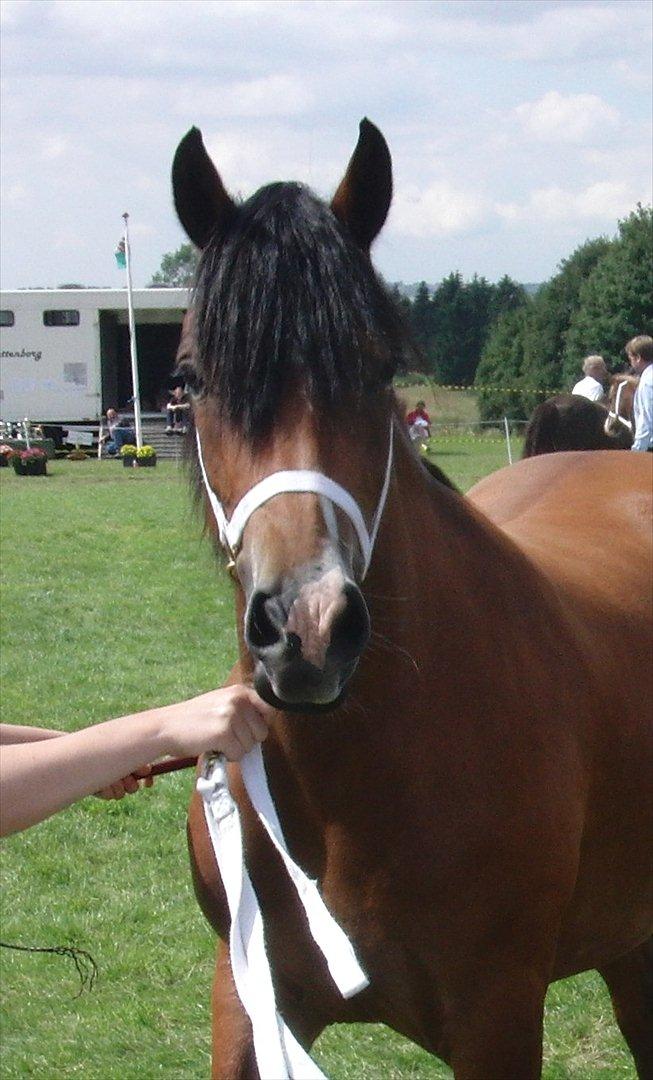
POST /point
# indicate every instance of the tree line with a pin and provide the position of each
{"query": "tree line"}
(513, 347)
(600, 297)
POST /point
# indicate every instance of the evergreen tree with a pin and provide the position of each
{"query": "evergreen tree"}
(478, 298)
(508, 295)
(499, 370)
(447, 315)
(178, 269)
(421, 316)
(551, 312)
(420, 320)
(615, 301)
(401, 300)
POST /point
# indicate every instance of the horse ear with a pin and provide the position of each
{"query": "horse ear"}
(201, 202)
(363, 198)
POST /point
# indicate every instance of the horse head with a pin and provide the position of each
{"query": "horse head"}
(620, 404)
(295, 342)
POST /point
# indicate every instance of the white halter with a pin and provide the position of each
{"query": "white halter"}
(304, 480)
(616, 415)
(277, 1052)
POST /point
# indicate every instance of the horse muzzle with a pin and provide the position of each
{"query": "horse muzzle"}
(306, 642)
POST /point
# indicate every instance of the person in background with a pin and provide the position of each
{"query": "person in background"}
(42, 771)
(419, 423)
(119, 433)
(639, 351)
(594, 383)
(177, 411)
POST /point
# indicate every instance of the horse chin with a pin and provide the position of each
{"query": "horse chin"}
(264, 689)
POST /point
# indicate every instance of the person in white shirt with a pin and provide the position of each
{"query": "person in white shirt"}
(640, 355)
(596, 379)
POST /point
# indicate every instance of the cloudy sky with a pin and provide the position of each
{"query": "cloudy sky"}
(517, 129)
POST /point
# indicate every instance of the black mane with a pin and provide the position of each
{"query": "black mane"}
(286, 292)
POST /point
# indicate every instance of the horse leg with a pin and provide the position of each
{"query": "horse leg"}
(495, 1030)
(630, 982)
(233, 1055)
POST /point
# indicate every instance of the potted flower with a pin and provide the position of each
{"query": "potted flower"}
(6, 454)
(146, 457)
(30, 462)
(128, 454)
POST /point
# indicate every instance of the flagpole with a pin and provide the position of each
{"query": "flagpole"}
(132, 339)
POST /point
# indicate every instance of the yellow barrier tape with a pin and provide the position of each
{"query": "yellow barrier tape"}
(497, 389)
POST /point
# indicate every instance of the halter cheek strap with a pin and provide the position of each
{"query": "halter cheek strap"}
(616, 415)
(297, 480)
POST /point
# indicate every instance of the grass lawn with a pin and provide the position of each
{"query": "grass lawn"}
(112, 602)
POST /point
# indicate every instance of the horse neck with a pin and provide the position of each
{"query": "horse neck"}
(441, 585)
(435, 547)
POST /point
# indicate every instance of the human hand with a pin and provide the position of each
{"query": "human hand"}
(229, 721)
(128, 785)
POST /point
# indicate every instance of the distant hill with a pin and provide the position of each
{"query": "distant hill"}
(410, 290)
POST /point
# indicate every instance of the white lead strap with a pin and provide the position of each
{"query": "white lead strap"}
(278, 1054)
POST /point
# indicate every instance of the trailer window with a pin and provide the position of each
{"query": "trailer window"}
(6, 318)
(61, 317)
(75, 373)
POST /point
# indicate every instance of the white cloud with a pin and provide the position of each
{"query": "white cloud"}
(573, 30)
(571, 118)
(604, 200)
(54, 147)
(435, 210)
(495, 113)
(15, 194)
(275, 95)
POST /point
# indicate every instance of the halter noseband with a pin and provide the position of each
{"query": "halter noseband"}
(296, 480)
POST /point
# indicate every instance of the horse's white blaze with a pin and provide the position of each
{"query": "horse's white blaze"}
(314, 613)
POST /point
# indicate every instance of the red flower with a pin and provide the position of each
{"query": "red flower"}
(32, 455)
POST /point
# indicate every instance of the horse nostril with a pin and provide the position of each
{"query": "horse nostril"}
(264, 621)
(351, 630)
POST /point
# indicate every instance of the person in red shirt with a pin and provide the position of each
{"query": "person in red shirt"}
(419, 423)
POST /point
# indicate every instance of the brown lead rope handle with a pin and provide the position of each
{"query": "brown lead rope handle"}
(172, 765)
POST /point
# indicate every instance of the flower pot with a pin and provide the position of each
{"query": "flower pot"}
(32, 467)
(129, 460)
(146, 462)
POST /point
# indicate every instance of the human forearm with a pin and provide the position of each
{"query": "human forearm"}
(18, 733)
(41, 777)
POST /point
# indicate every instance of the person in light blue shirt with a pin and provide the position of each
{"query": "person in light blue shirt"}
(640, 355)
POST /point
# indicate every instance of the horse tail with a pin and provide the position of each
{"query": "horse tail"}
(542, 430)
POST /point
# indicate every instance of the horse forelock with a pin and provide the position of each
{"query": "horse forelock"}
(286, 297)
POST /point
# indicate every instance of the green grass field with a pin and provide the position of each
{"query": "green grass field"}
(112, 602)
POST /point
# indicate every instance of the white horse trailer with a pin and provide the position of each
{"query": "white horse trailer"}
(65, 352)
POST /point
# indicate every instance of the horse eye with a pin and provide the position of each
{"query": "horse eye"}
(191, 377)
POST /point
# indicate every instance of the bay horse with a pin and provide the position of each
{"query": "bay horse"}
(460, 754)
(572, 422)
(621, 397)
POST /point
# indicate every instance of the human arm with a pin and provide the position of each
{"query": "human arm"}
(18, 733)
(643, 412)
(39, 778)
(10, 734)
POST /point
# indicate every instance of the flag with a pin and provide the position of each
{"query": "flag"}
(121, 256)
